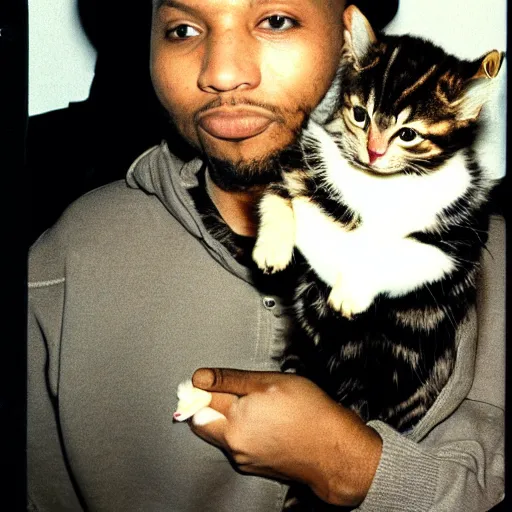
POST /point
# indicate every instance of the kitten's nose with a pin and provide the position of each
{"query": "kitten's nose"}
(373, 155)
(377, 144)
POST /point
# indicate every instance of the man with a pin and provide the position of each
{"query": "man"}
(141, 283)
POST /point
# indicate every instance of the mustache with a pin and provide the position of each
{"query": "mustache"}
(233, 102)
(172, 131)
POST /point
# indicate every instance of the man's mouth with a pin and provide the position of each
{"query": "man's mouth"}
(235, 123)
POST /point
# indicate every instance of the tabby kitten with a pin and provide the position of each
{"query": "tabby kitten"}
(387, 205)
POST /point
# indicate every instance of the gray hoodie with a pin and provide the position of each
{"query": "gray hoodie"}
(129, 294)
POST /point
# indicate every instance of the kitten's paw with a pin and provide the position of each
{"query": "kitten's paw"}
(190, 401)
(349, 300)
(206, 415)
(354, 306)
(276, 234)
(272, 254)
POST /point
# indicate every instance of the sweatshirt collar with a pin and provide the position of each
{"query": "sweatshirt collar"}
(160, 173)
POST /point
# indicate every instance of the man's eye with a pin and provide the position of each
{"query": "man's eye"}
(182, 32)
(278, 23)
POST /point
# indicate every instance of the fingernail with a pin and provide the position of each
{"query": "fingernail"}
(203, 378)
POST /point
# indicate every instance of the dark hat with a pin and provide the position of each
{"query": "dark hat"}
(378, 12)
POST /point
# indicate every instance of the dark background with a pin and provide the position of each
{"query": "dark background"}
(13, 122)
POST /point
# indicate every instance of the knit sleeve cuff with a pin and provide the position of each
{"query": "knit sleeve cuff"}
(406, 476)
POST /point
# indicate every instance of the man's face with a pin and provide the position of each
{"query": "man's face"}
(238, 77)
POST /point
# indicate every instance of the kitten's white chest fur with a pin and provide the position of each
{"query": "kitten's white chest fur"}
(363, 263)
(377, 256)
(393, 205)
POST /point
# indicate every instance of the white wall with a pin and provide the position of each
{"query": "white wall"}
(468, 29)
(61, 60)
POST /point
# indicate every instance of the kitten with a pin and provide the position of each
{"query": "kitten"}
(387, 205)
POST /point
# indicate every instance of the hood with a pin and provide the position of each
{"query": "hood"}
(159, 173)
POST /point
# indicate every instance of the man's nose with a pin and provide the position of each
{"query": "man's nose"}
(230, 62)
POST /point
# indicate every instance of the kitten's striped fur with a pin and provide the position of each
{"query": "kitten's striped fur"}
(387, 205)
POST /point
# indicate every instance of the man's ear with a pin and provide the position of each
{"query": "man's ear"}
(479, 86)
(358, 34)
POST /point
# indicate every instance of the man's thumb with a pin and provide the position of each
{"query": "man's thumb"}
(235, 382)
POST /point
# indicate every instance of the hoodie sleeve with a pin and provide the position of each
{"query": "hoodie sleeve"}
(49, 485)
(459, 466)
(459, 463)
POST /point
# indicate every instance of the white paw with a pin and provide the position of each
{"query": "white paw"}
(273, 253)
(190, 401)
(350, 299)
(276, 234)
(206, 415)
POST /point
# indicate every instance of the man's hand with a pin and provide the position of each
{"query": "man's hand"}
(285, 427)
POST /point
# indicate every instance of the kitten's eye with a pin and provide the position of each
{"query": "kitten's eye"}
(360, 116)
(278, 23)
(182, 32)
(407, 134)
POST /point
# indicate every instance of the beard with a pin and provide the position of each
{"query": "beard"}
(244, 175)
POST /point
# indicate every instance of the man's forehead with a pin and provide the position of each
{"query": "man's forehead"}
(251, 3)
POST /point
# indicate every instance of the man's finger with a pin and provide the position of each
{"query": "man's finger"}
(236, 382)
(223, 402)
(211, 432)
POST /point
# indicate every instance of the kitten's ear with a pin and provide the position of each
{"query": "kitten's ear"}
(358, 34)
(478, 87)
